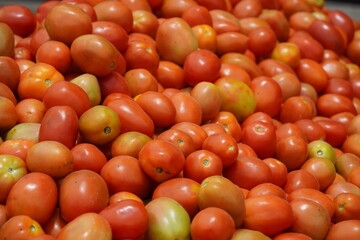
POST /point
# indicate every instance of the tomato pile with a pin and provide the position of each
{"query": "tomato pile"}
(169, 119)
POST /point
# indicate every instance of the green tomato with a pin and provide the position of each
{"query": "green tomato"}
(320, 148)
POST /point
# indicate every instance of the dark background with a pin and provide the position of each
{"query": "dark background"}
(351, 7)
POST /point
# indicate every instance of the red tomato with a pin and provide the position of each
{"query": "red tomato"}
(10, 72)
(262, 41)
(139, 81)
(183, 190)
(348, 229)
(278, 171)
(335, 132)
(161, 160)
(213, 128)
(231, 42)
(272, 67)
(260, 206)
(8, 44)
(16, 147)
(88, 156)
(230, 123)
(19, 18)
(129, 143)
(113, 83)
(21, 227)
(116, 171)
(68, 94)
(197, 15)
(128, 219)
(247, 8)
(323, 170)
(112, 32)
(54, 225)
(83, 186)
(188, 109)
(296, 108)
(40, 203)
(234, 71)
(266, 189)
(289, 84)
(180, 139)
(145, 22)
(346, 207)
(214, 220)
(298, 179)
(75, 22)
(170, 75)
(312, 130)
(308, 46)
(30, 110)
(61, 118)
(312, 72)
(9, 118)
(6, 92)
(292, 236)
(197, 134)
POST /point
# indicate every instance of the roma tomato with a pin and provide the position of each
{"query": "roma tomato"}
(20, 227)
(331, 103)
(42, 197)
(83, 186)
(89, 83)
(128, 219)
(262, 41)
(67, 94)
(88, 156)
(300, 179)
(16, 147)
(50, 157)
(183, 190)
(214, 220)
(8, 44)
(346, 207)
(188, 109)
(140, 80)
(180, 138)
(19, 18)
(74, 23)
(161, 160)
(348, 229)
(197, 15)
(197, 134)
(112, 32)
(323, 170)
(129, 143)
(206, 36)
(30, 110)
(116, 171)
(170, 75)
(59, 118)
(296, 108)
(231, 42)
(12, 169)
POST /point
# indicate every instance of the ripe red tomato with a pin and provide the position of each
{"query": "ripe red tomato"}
(112, 32)
(88, 156)
(262, 41)
(19, 18)
(265, 189)
(161, 160)
(348, 229)
(30, 110)
(197, 134)
(298, 179)
(20, 227)
(83, 186)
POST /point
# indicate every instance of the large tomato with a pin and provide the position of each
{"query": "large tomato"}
(83, 186)
(41, 192)
(19, 18)
(20, 227)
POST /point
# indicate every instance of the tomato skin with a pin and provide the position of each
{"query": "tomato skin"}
(183, 190)
(296, 108)
(170, 75)
(113, 83)
(230, 123)
(116, 171)
(188, 109)
(278, 171)
(299, 179)
(292, 151)
(19, 18)
(61, 118)
(37, 186)
(88, 226)
(112, 32)
(68, 94)
(74, 23)
(83, 186)
(197, 15)
(214, 220)
(346, 207)
(30, 110)
(180, 138)
(348, 229)
(292, 236)
(311, 72)
(330, 104)
(335, 132)
(9, 119)
(262, 41)
(343, 21)
(161, 160)
(20, 227)
(10, 73)
(16, 147)
(257, 207)
(128, 219)
(132, 116)
(88, 156)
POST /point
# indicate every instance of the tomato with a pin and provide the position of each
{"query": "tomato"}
(6, 92)
(129, 143)
(247, 8)
(24, 64)
(37, 79)
(197, 15)
(247, 172)
(288, 53)
(89, 83)
(223, 21)
(234, 71)
(348, 229)
(213, 128)
(292, 236)
(113, 83)
(260, 206)
(88, 156)
(74, 23)
(127, 218)
(140, 80)
(262, 41)
(243, 61)
(197, 134)
(206, 36)
(308, 46)
(278, 171)
(68, 94)
(183, 190)
(346, 207)
(266, 189)
(112, 32)
(231, 42)
(145, 22)
(20, 227)
(37, 186)
(103, 54)
(8, 44)
(289, 84)
(214, 220)
(116, 171)
(19, 18)
(10, 118)
(123, 195)
(230, 124)
(89, 226)
(43, 9)
(132, 116)
(61, 118)
(296, 108)
(161, 160)
(12, 169)
(328, 35)
(353, 177)
(330, 104)
(299, 179)
(56, 54)
(303, 210)
(10, 72)
(181, 139)
(323, 170)
(83, 186)
(201, 164)
(54, 225)
(287, 130)
(350, 143)
(16, 147)
(3, 217)
(24, 130)
(335, 132)
(169, 34)
(50, 157)
(320, 148)
(343, 21)
(278, 22)
(188, 109)
(167, 220)
(171, 8)
(170, 75)
(352, 51)
(231, 200)
(38, 38)
(268, 95)
(312, 130)
(30, 110)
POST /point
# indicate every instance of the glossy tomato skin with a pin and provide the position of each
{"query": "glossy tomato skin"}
(83, 186)
(69, 94)
(19, 18)
(180, 138)
(16, 147)
(128, 219)
(20, 227)
(348, 229)
(346, 207)
(8, 44)
(299, 179)
(296, 108)
(188, 109)
(161, 160)
(132, 116)
(256, 207)
(116, 171)
(331, 104)
(37, 186)
(54, 225)
(88, 156)
(183, 190)
(30, 110)
(61, 118)
(89, 226)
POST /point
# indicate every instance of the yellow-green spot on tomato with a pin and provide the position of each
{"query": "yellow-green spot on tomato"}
(48, 82)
